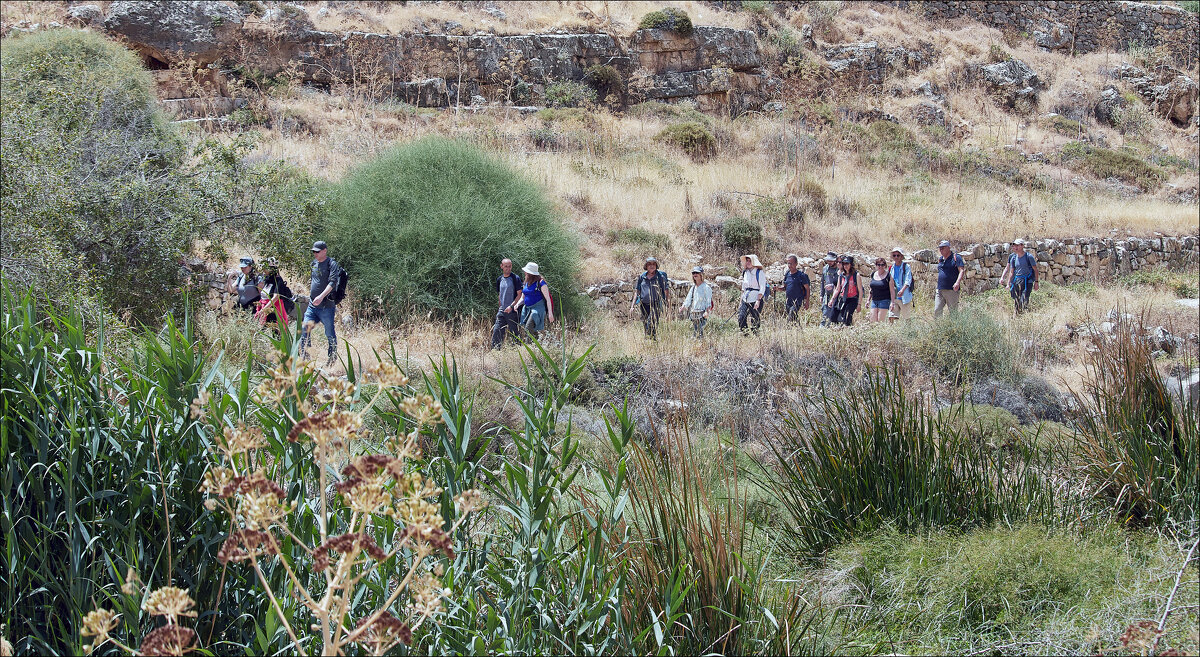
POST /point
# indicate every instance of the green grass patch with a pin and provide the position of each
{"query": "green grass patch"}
(1064, 126)
(1049, 591)
(1105, 163)
(1182, 285)
(640, 237)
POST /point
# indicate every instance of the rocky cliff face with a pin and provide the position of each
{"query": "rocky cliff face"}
(719, 68)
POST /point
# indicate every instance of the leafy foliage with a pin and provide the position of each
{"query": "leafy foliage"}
(101, 473)
(605, 79)
(102, 195)
(426, 224)
(570, 94)
(1105, 163)
(742, 234)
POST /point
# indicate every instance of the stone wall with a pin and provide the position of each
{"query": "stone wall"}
(1063, 262)
(1080, 26)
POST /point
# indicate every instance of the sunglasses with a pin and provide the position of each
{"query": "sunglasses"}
(881, 264)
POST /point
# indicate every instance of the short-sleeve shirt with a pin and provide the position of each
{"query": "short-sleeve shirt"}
(948, 270)
(1024, 266)
(793, 285)
(652, 291)
(506, 287)
(248, 288)
(532, 293)
(322, 274)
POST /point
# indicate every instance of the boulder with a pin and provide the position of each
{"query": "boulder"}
(1051, 35)
(1108, 108)
(170, 31)
(1011, 74)
(85, 16)
(1176, 100)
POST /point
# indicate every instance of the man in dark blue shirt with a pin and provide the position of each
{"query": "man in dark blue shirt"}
(951, 270)
(321, 308)
(795, 287)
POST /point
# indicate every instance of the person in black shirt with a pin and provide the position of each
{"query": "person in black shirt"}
(795, 287)
(325, 273)
(508, 286)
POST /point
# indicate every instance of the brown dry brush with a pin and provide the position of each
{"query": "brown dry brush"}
(379, 530)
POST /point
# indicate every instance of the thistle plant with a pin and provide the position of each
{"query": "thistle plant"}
(355, 554)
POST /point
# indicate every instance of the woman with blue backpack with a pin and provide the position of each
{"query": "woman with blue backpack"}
(1022, 267)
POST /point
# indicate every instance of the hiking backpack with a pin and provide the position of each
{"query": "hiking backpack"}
(339, 286)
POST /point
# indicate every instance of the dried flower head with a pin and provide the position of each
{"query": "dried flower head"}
(1140, 635)
(98, 623)
(242, 439)
(427, 594)
(199, 406)
(168, 640)
(468, 501)
(133, 583)
(387, 375)
(244, 544)
(169, 601)
(385, 633)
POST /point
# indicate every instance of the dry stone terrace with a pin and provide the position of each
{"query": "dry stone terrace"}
(1063, 262)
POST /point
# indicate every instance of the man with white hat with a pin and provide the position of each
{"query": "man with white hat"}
(1022, 267)
(754, 282)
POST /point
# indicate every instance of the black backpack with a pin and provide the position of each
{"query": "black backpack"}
(339, 286)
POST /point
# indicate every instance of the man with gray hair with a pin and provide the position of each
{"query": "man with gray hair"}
(1022, 267)
(796, 287)
(507, 287)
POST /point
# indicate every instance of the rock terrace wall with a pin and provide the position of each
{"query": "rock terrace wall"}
(1080, 26)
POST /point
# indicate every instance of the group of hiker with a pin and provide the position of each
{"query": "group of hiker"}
(888, 291)
(525, 304)
(267, 296)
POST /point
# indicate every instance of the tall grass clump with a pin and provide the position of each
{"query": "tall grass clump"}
(668, 18)
(966, 346)
(1140, 444)
(424, 226)
(864, 456)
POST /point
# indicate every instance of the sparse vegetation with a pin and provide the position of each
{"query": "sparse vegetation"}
(1106, 163)
(967, 345)
(570, 94)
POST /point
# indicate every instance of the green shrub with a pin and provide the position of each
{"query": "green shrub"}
(861, 456)
(997, 54)
(569, 94)
(987, 424)
(640, 237)
(667, 18)
(1105, 163)
(545, 137)
(1190, 5)
(605, 79)
(956, 593)
(965, 345)
(1182, 285)
(807, 193)
(425, 225)
(742, 234)
(1064, 126)
(694, 138)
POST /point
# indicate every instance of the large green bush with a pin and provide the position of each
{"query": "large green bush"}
(424, 226)
(693, 137)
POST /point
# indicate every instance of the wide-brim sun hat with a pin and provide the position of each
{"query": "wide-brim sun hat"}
(753, 260)
(831, 257)
(898, 250)
(531, 268)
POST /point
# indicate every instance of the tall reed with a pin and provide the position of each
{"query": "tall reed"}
(1139, 441)
(864, 455)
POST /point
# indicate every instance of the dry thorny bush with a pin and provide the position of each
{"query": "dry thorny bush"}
(375, 493)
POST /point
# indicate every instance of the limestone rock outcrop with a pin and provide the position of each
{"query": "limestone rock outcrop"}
(179, 29)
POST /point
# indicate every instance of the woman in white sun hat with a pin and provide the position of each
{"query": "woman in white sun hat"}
(534, 300)
(902, 278)
(754, 282)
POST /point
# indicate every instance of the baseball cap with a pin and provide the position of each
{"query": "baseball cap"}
(1019, 241)
(319, 245)
(943, 243)
(246, 261)
(831, 257)
(698, 270)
